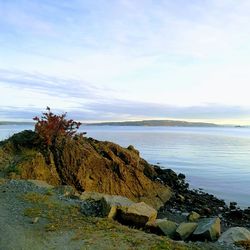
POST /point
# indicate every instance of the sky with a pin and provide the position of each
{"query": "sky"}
(116, 60)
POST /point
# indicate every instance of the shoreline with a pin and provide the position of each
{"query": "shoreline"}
(183, 198)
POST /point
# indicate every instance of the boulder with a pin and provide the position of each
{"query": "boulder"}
(193, 216)
(208, 229)
(184, 230)
(234, 234)
(105, 205)
(93, 208)
(163, 227)
(137, 214)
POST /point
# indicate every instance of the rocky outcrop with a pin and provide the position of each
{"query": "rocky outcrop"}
(88, 165)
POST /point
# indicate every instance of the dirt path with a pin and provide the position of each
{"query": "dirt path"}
(18, 232)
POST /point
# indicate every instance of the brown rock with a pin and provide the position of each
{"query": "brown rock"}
(137, 214)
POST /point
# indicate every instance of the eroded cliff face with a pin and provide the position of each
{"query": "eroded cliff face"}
(88, 165)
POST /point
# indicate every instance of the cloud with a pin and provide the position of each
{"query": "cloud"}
(37, 82)
(115, 59)
(128, 109)
(117, 110)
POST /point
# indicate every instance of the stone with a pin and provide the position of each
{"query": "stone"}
(184, 230)
(193, 216)
(41, 184)
(236, 214)
(181, 198)
(233, 205)
(105, 205)
(234, 234)
(137, 214)
(208, 229)
(113, 212)
(94, 208)
(163, 227)
(35, 220)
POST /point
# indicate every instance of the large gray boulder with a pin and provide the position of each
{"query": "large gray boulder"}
(103, 205)
(136, 214)
(234, 234)
(208, 229)
(163, 227)
(184, 230)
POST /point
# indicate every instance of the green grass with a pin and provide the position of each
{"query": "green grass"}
(12, 168)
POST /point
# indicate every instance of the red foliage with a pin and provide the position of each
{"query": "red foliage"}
(50, 126)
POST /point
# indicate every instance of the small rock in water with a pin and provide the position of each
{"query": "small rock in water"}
(232, 205)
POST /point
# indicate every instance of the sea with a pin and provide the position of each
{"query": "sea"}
(214, 159)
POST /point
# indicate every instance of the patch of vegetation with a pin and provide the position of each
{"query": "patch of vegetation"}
(12, 168)
(36, 198)
(50, 127)
(33, 212)
(26, 138)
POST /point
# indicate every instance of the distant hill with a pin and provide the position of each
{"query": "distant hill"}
(15, 123)
(167, 123)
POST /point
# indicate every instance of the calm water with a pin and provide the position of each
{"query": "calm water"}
(215, 159)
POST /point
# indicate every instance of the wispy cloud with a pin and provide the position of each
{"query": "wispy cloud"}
(123, 59)
(64, 88)
(88, 102)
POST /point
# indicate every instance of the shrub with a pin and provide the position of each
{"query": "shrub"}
(50, 127)
(12, 168)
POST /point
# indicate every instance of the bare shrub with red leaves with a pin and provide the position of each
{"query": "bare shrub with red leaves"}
(50, 127)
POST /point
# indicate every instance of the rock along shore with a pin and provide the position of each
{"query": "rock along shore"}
(114, 182)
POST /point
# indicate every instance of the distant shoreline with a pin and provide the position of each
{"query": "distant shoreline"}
(16, 123)
(156, 123)
(143, 123)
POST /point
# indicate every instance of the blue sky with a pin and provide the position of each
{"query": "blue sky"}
(126, 60)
